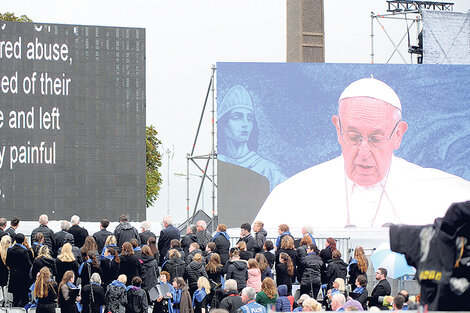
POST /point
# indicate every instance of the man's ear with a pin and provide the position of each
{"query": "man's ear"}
(335, 120)
(401, 130)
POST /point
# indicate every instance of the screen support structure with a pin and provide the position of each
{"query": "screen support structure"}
(398, 10)
(209, 158)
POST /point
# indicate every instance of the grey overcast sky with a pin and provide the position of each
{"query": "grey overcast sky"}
(185, 37)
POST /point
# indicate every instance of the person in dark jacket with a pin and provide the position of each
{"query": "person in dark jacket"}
(301, 253)
(193, 271)
(203, 235)
(182, 302)
(245, 235)
(130, 263)
(236, 269)
(43, 259)
(268, 248)
(92, 295)
(116, 295)
(19, 261)
(45, 291)
(13, 226)
(46, 231)
(148, 269)
(360, 293)
(189, 238)
(222, 243)
(66, 261)
(146, 233)
(232, 301)
(136, 247)
(175, 266)
(283, 231)
(38, 242)
(326, 255)
(124, 232)
(244, 254)
(90, 266)
(168, 233)
(59, 237)
(337, 268)
(3, 225)
(288, 247)
(176, 245)
(357, 266)
(136, 297)
(5, 243)
(310, 281)
(193, 250)
(260, 236)
(382, 288)
(110, 266)
(214, 270)
(79, 233)
(101, 235)
(66, 297)
(282, 302)
(68, 238)
(285, 271)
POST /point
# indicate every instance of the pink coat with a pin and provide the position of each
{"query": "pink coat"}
(254, 279)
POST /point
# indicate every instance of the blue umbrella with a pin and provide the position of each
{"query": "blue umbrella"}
(394, 263)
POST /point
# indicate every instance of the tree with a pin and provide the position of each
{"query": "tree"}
(154, 161)
(11, 17)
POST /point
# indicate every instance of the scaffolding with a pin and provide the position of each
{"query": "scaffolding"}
(209, 159)
(400, 10)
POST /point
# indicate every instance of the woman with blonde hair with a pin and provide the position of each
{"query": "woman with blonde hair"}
(43, 259)
(357, 266)
(45, 291)
(66, 293)
(311, 304)
(5, 243)
(175, 265)
(244, 254)
(111, 242)
(268, 294)
(66, 262)
(200, 297)
(338, 288)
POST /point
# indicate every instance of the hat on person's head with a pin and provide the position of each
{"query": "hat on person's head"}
(237, 97)
(372, 88)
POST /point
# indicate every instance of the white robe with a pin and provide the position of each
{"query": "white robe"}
(323, 196)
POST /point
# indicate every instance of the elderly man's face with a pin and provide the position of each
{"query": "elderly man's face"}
(365, 164)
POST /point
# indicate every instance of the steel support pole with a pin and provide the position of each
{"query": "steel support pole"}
(187, 187)
(372, 37)
(213, 144)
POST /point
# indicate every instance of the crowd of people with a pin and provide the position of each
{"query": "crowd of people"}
(131, 271)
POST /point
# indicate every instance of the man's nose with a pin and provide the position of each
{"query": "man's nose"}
(364, 147)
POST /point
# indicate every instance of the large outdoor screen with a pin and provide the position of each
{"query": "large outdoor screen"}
(72, 121)
(396, 151)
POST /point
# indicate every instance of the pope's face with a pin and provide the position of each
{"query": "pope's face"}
(239, 125)
(366, 164)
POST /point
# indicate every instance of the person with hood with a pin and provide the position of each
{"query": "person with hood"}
(116, 295)
(189, 238)
(19, 261)
(201, 296)
(232, 301)
(92, 295)
(337, 268)
(182, 300)
(43, 259)
(194, 270)
(148, 269)
(164, 302)
(136, 297)
(124, 232)
(260, 236)
(282, 302)
(312, 263)
(222, 243)
(175, 266)
(237, 269)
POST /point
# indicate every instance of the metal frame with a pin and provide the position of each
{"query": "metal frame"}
(209, 158)
(398, 11)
